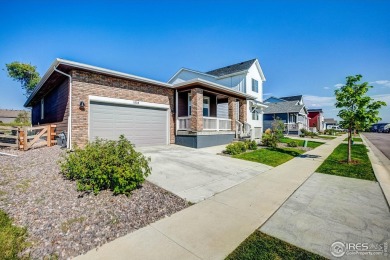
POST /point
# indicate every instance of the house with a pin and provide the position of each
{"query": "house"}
(291, 110)
(328, 122)
(9, 116)
(316, 119)
(86, 102)
(245, 77)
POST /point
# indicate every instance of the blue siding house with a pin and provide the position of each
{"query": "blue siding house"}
(291, 110)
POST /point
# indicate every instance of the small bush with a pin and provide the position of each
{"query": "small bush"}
(269, 140)
(12, 238)
(292, 144)
(236, 148)
(250, 145)
(268, 131)
(104, 164)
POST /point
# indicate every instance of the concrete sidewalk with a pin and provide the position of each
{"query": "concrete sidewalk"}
(214, 227)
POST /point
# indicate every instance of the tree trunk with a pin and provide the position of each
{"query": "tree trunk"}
(349, 145)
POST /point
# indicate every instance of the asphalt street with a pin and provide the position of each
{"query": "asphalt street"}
(381, 141)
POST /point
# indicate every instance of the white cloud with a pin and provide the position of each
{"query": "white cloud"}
(338, 85)
(385, 83)
(382, 97)
(326, 87)
(267, 94)
(320, 102)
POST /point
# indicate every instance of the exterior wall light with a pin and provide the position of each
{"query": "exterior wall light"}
(82, 105)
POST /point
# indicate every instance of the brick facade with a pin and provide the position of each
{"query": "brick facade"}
(243, 111)
(232, 111)
(196, 109)
(87, 83)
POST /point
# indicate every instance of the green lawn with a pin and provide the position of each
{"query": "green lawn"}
(262, 246)
(270, 156)
(311, 144)
(12, 238)
(356, 139)
(361, 167)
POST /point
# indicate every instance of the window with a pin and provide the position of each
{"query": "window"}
(42, 108)
(255, 115)
(206, 105)
(255, 86)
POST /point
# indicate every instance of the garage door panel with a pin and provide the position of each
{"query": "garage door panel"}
(141, 125)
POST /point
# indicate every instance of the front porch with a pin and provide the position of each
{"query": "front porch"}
(207, 116)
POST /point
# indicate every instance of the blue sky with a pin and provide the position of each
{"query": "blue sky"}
(304, 47)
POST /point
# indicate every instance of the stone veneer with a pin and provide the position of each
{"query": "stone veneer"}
(243, 111)
(87, 83)
(232, 111)
(196, 109)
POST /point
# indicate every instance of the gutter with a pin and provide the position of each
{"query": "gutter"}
(68, 140)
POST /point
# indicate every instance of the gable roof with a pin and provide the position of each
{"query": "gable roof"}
(66, 65)
(274, 98)
(230, 69)
(283, 107)
(292, 98)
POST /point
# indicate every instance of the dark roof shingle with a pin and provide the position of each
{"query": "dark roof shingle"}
(292, 98)
(242, 66)
(283, 107)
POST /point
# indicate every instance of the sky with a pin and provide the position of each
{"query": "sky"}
(304, 47)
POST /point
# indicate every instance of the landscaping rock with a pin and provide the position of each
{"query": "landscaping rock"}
(63, 222)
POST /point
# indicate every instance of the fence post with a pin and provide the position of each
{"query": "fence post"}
(25, 141)
(48, 131)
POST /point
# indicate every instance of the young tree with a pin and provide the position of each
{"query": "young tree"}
(22, 118)
(25, 74)
(358, 110)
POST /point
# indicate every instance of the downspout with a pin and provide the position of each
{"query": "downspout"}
(69, 143)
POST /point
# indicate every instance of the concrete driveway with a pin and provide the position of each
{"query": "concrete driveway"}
(197, 174)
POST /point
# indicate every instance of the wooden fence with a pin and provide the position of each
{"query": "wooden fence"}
(25, 138)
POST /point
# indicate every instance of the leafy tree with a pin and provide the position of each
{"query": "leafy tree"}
(25, 74)
(358, 110)
(22, 118)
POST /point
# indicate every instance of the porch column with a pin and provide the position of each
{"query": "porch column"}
(196, 109)
(243, 111)
(232, 112)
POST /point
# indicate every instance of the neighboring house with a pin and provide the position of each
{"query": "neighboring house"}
(9, 116)
(329, 122)
(291, 110)
(86, 102)
(245, 77)
(316, 119)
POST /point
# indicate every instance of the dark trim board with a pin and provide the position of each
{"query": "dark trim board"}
(201, 141)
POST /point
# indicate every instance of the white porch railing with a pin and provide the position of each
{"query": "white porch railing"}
(293, 126)
(217, 124)
(184, 123)
(209, 123)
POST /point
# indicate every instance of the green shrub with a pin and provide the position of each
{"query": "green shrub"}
(12, 238)
(250, 145)
(292, 144)
(236, 148)
(104, 164)
(269, 140)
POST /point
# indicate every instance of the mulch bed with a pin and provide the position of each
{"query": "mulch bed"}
(63, 222)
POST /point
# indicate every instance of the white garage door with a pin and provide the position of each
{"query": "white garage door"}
(141, 125)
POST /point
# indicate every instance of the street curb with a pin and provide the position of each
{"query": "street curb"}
(382, 173)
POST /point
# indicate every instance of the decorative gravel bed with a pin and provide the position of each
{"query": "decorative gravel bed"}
(63, 222)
